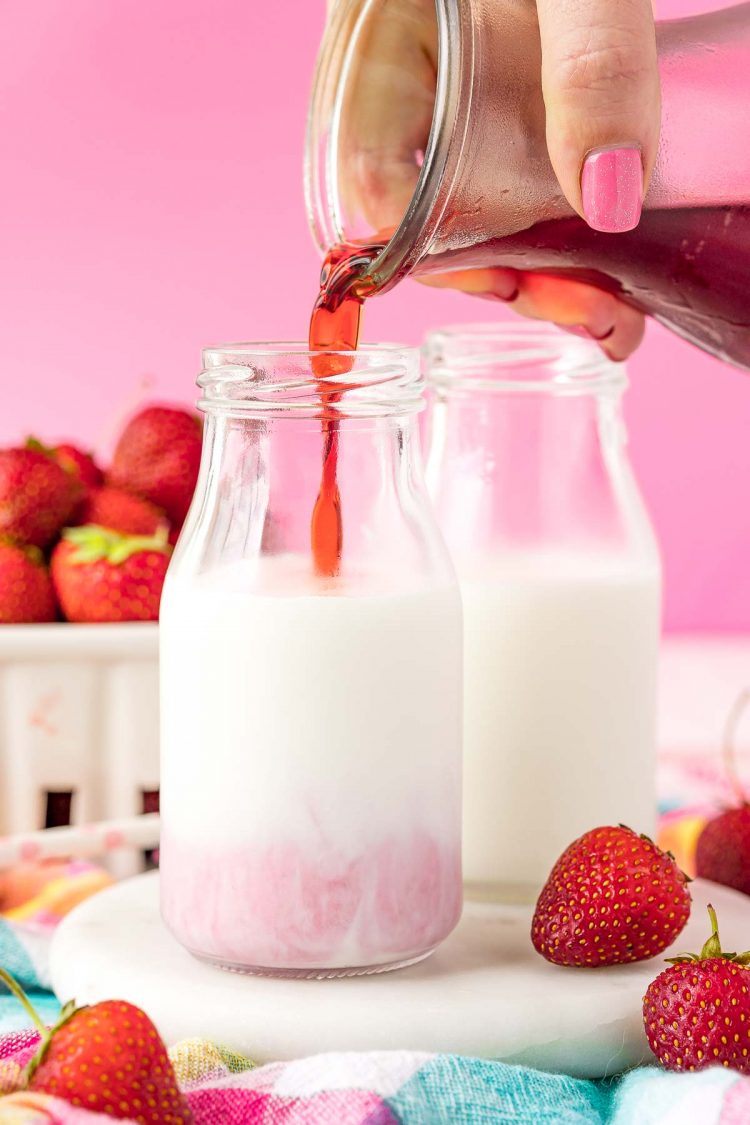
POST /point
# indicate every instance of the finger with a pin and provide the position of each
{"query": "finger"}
(602, 97)
(582, 309)
(497, 284)
(572, 305)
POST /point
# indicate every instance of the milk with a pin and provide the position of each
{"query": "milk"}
(311, 768)
(560, 678)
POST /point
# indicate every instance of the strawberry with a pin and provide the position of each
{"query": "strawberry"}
(120, 511)
(100, 575)
(36, 496)
(612, 897)
(26, 593)
(157, 457)
(108, 1059)
(73, 460)
(723, 849)
(697, 1012)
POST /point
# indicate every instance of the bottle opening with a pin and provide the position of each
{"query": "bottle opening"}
(381, 63)
(519, 358)
(284, 377)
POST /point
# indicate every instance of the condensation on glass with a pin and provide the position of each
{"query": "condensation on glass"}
(437, 147)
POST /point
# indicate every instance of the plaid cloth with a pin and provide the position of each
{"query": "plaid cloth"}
(371, 1088)
(405, 1088)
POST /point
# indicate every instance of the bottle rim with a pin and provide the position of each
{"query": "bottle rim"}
(451, 112)
(522, 358)
(279, 377)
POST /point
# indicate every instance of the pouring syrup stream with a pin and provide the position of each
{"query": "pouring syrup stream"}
(334, 328)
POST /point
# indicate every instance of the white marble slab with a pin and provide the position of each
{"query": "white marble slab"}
(485, 992)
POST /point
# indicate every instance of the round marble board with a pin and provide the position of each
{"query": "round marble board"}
(484, 992)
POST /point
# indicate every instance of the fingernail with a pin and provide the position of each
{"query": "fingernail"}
(612, 188)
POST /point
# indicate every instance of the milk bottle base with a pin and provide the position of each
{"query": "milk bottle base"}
(313, 974)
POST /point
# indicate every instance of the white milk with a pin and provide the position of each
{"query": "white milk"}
(310, 766)
(560, 657)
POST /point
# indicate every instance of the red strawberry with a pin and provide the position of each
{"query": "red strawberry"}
(612, 897)
(36, 496)
(157, 457)
(107, 1058)
(26, 593)
(723, 849)
(73, 460)
(697, 1012)
(100, 575)
(120, 511)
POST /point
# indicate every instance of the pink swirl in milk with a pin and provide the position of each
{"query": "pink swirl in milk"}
(286, 906)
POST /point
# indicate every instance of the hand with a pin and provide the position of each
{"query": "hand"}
(600, 84)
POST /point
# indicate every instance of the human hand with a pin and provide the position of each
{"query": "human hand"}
(600, 85)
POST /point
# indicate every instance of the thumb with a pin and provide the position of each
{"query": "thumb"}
(601, 91)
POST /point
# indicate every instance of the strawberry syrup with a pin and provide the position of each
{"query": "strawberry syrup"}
(334, 327)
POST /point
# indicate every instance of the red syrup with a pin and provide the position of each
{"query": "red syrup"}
(334, 327)
(688, 268)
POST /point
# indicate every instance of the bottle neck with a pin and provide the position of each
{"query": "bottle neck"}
(260, 479)
(531, 471)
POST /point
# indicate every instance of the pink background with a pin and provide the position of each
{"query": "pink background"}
(152, 203)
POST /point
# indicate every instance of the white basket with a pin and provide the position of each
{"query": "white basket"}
(79, 714)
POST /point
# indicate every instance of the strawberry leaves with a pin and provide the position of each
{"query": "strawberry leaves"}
(94, 543)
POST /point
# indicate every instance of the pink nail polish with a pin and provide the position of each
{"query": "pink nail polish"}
(612, 188)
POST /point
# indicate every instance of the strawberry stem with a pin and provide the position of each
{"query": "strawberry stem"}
(67, 1012)
(38, 447)
(14, 987)
(712, 947)
(728, 750)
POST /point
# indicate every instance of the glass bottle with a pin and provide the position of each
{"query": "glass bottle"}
(560, 579)
(311, 724)
(469, 184)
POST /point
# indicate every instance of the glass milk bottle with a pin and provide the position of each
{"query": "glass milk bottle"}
(311, 723)
(560, 578)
